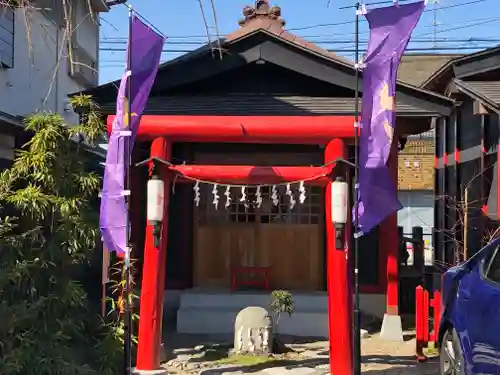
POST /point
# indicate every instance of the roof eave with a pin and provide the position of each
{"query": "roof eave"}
(343, 63)
(458, 61)
(466, 89)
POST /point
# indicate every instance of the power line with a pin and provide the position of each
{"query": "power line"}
(463, 24)
(106, 49)
(329, 50)
(364, 20)
(480, 22)
(314, 39)
(110, 42)
(171, 37)
(344, 41)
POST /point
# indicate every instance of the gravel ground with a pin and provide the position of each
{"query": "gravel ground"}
(184, 354)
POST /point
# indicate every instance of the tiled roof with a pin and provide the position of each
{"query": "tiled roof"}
(267, 18)
(237, 103)
(487, 89)
(487, 92)
(447, 68)
(417, 68)
(263, 17)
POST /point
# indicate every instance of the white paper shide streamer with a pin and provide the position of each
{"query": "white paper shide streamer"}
(243, 198)
(258, 197)
(228, 196)
(215, 193)
(196, 189)
(302, 191)
(289, 193)
(274, 196)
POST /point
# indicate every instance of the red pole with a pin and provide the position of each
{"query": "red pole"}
(390, 242)
(338, 282)
(425, 316)
(437, 314)
(420, 319)
(153, 280)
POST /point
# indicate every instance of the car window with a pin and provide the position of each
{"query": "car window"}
(492, 270)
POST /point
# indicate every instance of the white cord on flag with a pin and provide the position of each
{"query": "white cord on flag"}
(127, 256)
(123, 193)
(360, 64)
(362, 10)
(124, 133)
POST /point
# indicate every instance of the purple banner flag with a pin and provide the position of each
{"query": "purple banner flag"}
(390, 31)
(145, 48)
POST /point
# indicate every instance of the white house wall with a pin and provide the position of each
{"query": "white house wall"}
(418, 210)
(39, 78)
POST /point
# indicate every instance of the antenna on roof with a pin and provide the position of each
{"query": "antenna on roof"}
(435, 22)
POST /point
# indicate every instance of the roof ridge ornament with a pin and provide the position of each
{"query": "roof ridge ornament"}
(262, 10)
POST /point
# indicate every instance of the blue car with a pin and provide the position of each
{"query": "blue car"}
(469, 334)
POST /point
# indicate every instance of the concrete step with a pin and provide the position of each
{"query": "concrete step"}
(212, 320)
(237, 301)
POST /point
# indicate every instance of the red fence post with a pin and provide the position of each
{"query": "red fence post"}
(437, 315)
(425, 315)
(421, 322)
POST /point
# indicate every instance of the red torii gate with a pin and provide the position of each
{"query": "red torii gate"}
(333, 132)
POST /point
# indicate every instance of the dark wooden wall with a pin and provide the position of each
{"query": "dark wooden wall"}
(473, 141)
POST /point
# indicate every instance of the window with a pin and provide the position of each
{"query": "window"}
(6, 37)
(308, 212)
(492, 269)
(248, 210)
(238, 211)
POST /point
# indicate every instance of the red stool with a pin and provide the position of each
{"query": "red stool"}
(262, 271)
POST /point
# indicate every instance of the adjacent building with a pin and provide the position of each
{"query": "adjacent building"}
(47, 51)
(466, 155)
(416, 159)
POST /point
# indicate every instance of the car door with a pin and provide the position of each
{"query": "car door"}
(480, 292)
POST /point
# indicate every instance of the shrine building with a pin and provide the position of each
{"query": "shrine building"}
(266, 109)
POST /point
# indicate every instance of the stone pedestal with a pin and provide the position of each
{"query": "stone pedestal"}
(149, 372)
(253, 331)
(392, 328)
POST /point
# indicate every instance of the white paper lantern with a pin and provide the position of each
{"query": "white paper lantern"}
(339, 198)
(155, 200)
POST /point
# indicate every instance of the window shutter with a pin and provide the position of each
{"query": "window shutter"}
(6, 37)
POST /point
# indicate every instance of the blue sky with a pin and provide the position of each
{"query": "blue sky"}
(181, 21)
